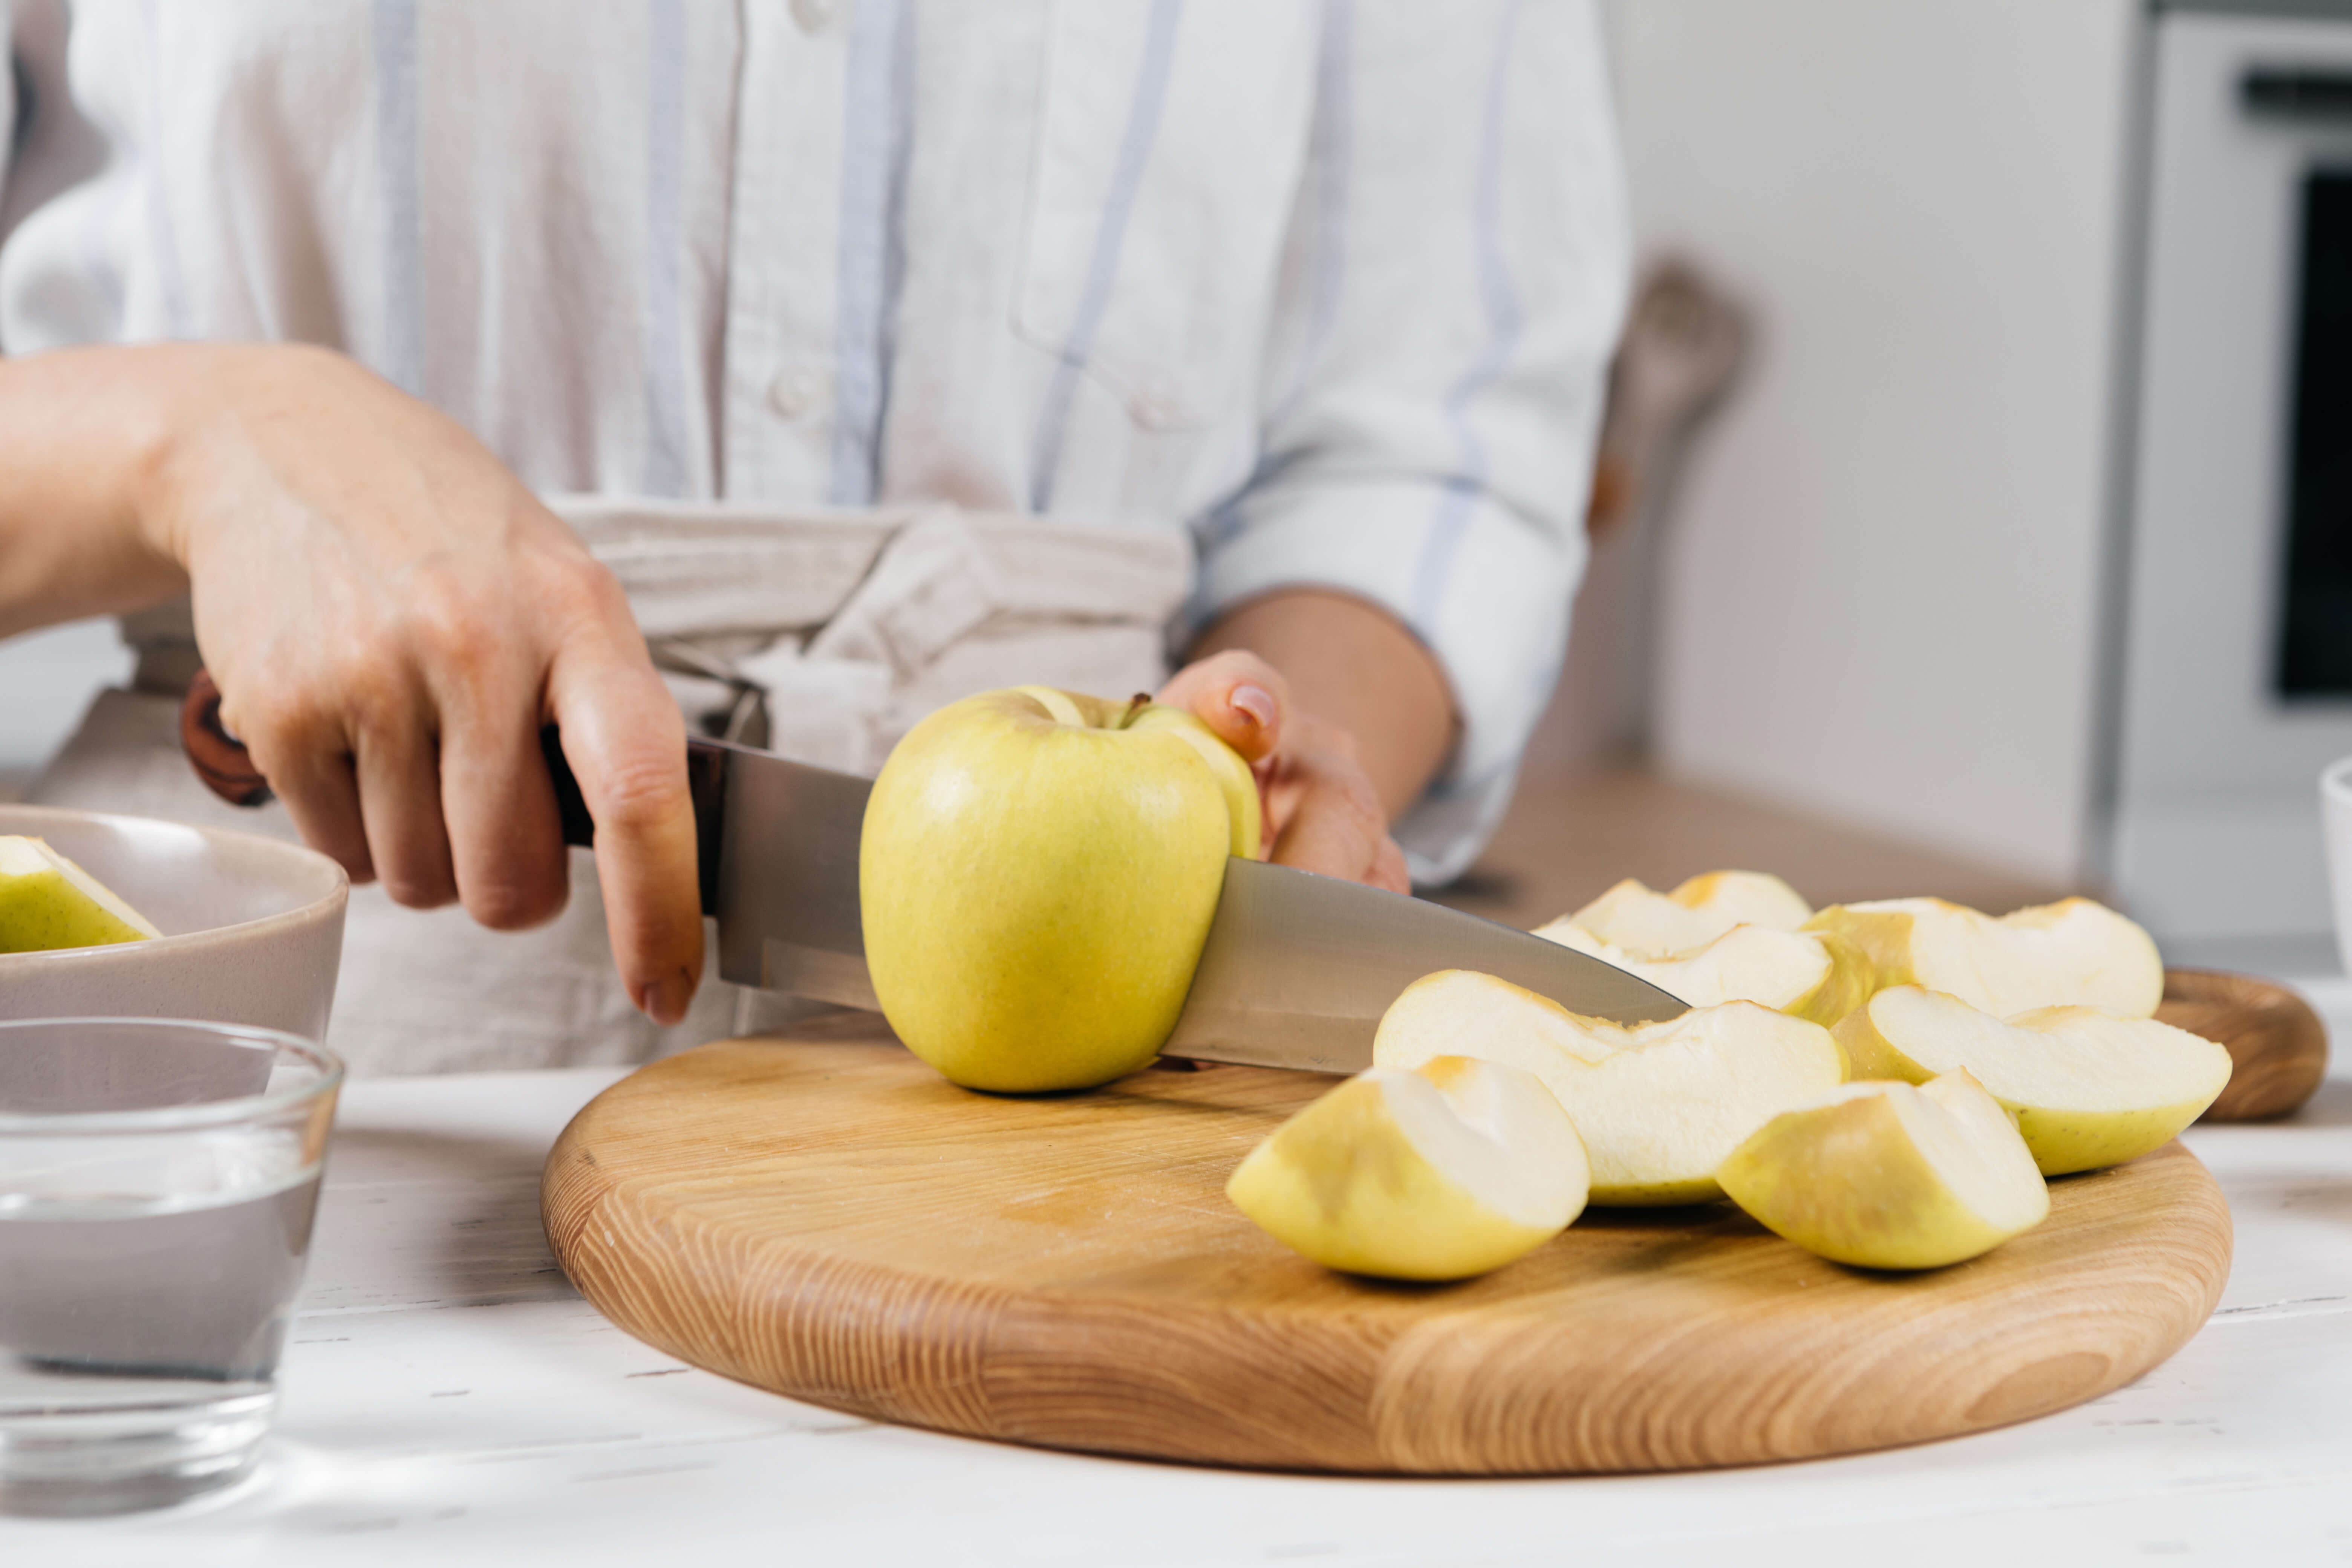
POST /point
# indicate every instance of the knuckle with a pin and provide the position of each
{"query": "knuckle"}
(413, 892)
(638, 796)
(278, 724)
(580, 587)
(375, 691)
(513, 904)
(451, 621)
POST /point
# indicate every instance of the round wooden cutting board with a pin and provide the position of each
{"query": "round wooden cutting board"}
(824, 1216)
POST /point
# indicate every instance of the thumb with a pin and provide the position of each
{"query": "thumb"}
(1237, 695)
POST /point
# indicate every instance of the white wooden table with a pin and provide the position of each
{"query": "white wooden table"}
(449, 1400)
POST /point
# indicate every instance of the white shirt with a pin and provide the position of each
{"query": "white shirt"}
(1333, 286)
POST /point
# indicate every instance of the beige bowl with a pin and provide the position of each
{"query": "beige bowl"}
(253, 927)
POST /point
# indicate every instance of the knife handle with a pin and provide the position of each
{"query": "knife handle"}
(227, 769)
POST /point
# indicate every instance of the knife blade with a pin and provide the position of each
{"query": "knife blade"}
(1296, 973)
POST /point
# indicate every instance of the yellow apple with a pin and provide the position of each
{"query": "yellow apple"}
(47, 902)
(1037, 874)
(1818, 978)
(1440, 1171)
(1658, 1106)
(2088, 1088)
(1660, 925)
(2071, 952)
(1885, 1175)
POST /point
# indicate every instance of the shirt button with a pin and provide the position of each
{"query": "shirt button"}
(815, 15)
(797, 393)
(1158, 409)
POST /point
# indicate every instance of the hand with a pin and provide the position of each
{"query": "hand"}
(392, 617)
(1322, 811)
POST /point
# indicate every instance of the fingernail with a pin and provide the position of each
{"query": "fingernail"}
(1256, 701)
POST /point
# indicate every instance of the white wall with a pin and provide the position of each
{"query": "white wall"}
(46, 679)
(1883, 565)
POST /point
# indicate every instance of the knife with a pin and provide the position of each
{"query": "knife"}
(1296, 973)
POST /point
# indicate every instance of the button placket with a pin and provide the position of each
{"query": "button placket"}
(783, 251)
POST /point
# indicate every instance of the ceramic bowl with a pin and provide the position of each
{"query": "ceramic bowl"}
(253, 927)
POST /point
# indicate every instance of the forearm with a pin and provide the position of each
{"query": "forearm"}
(1352, 666)
(81, 431)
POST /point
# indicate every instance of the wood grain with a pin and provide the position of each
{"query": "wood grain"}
(2277, 1043)
(823, 1217)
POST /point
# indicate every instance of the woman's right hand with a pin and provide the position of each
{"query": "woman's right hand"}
(391, 618)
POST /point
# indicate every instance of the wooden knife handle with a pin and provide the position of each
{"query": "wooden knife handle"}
(219, 758)
(227, 769)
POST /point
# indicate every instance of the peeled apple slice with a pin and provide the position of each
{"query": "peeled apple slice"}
(1659, 925)
(47, 902)
(1886, 1175)
(2074, 953)
(1439, 1172)
(1820, 978)
(2088, 1088)
(1658, 1106)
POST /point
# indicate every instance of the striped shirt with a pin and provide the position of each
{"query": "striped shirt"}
(1331, 285)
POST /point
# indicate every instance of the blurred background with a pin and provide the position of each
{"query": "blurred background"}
(1974, 517)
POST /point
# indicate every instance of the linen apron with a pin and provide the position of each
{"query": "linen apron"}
(822, 635)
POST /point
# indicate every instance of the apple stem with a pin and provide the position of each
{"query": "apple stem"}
(1135, 707)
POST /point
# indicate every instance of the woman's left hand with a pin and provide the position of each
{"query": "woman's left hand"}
(1322, 811)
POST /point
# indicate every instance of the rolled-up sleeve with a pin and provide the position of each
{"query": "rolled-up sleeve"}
(1454, 283)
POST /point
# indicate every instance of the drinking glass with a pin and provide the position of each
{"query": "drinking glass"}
(157, 1183)
(2335, 825)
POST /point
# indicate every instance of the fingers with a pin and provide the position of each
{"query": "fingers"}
(308, 764)
(1329, 833)
(626, 745)
(1238, 695)
(1329, 815)
(505, 841)
(400, 804)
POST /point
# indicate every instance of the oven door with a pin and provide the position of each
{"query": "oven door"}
(2233, 674)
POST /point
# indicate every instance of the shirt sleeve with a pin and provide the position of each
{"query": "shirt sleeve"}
(1453, 286)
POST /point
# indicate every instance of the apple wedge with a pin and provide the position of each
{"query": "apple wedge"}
(47, 902)
(1439, 1172)
(2088, 1088)
(1886, 1175)
(1818, 978)
(2074, 953)
(1658, 1106)
(1658, 925)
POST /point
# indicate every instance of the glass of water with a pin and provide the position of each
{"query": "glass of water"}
(157, 1183)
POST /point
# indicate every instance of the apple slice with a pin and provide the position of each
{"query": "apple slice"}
(1440, 1171)
(1660, 925)
(2088, 1088)
(1658, 1106)
(1820, 978)
(1885, 1175)
(2074, 953)
(47, 902)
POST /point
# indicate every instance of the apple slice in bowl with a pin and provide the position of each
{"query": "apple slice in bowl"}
(47, 902)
